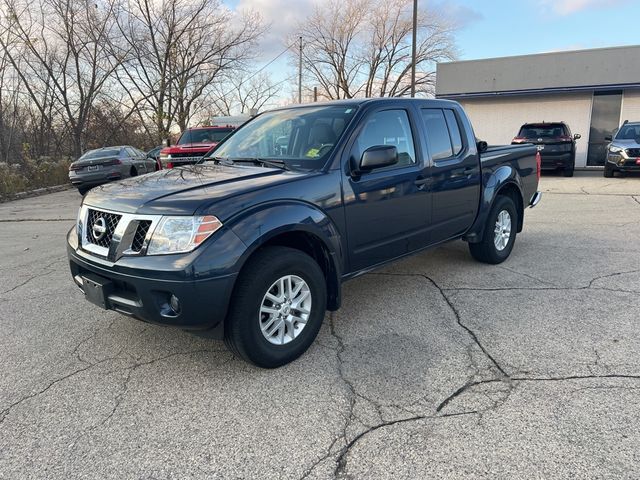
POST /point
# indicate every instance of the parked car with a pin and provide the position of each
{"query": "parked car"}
(556, 144)
(193, 144)
(154, 154)
(253, 245)
(103, 165)
(623, 153)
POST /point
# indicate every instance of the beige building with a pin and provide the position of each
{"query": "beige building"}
(593, 91)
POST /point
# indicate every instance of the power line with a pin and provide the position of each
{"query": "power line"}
(267, 64)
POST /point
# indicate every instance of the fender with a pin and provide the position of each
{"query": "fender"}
(264, 222)
(502, 177)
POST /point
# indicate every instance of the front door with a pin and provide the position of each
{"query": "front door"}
(387, 210)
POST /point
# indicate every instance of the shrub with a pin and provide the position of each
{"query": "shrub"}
(32, 174)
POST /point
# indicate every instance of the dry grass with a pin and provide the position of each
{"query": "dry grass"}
(32, 174)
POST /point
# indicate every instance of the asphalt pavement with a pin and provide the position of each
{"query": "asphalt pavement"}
(435, 367)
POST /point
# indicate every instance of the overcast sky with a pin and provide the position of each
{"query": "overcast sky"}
(488, 28)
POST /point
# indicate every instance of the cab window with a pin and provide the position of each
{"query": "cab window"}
(442, 143)
(388, 127)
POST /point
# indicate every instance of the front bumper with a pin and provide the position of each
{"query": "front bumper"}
(623, 164)
(145, 294)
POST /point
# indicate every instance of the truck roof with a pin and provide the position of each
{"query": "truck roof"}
(435, 102)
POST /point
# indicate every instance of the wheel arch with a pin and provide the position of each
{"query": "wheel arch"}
(300, 226)
(504, 181)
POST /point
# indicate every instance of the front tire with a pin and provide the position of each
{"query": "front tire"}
(499, 233)
(608, 171)
(277, 308)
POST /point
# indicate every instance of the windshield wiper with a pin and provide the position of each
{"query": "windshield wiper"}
(220, 160)
(260, 161)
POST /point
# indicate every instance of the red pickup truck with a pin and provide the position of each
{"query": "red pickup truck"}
(193, 144)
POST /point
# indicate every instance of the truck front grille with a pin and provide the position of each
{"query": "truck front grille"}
(100, 227)
(187, 156)
(633, 152)
(140, 235)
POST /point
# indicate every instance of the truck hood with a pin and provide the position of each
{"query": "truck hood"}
(184, 190)
(625, 143)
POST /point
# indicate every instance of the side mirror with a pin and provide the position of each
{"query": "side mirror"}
(482, 146)
(608, 138)
(577, 136)
(378, 157)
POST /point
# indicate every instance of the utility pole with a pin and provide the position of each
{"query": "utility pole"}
(413, 48)
(300, 74)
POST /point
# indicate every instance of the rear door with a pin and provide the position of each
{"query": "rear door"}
(455, 174)
(136, 159)
(386, 209)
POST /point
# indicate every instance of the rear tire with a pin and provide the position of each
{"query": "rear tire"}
(568, 172)
(608, 171)
(257, 283)
(495, 247)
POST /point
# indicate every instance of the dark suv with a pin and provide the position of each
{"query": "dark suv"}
(556, 144)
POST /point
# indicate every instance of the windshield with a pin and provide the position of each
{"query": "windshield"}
(302, 138)
(629, 132)
(551, 130)
(101, 153)
(204, 135)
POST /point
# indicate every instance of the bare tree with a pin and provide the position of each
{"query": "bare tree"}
(62, 47)
(363, 48)
(332, 35)
(254, 92)
(177, 50)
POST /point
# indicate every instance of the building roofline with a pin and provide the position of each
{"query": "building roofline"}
(541, 54)
(538, 91)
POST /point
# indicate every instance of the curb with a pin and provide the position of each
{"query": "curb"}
(33, 193)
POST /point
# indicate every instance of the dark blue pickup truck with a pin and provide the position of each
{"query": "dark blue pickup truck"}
(253, 244)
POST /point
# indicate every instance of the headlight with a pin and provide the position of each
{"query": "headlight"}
(165, 156)
(72, 237)
(181, 234)
(615, 149)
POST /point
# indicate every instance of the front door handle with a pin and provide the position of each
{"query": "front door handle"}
(421, 182)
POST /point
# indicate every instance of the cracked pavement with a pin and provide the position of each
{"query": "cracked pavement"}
(435, 366)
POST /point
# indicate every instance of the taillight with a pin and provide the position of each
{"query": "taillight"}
(538, 164)
(566, 139)
(73, 167)
(115, 161)
(519, 140)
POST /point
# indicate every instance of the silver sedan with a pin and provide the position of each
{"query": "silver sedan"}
(103, 165)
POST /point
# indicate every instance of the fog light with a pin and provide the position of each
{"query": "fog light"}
(174, 303)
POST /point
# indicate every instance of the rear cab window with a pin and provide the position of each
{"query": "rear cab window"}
(546, 130)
